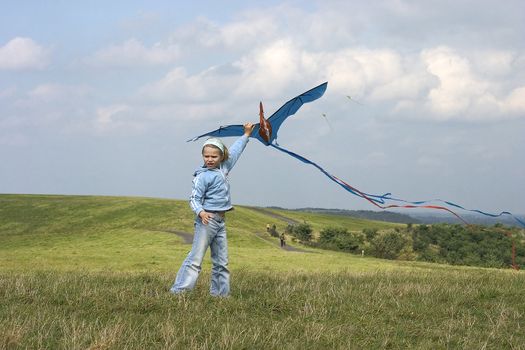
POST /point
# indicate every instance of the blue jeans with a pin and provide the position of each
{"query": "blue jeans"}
(214, 236)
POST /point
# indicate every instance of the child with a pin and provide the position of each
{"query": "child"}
(210, 199)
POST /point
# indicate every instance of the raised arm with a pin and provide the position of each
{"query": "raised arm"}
(238, 147)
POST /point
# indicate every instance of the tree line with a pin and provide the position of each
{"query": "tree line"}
(473, 245)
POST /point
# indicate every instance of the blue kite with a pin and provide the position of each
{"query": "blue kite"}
(266, 130)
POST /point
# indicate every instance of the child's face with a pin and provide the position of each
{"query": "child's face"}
(212, 157)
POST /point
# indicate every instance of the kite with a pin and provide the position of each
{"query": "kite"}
(351, 99)
(327, 121)
(266, 132)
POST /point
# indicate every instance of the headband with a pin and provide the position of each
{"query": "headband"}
(214, 142)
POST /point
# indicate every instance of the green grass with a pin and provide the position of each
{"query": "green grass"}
(321, 221)
(93, 272)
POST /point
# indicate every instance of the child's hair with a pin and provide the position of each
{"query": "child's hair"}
(217, 144)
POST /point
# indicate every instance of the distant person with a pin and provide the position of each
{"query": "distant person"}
(210, 200)
(283, 240)
(273, 231)
(268, 228)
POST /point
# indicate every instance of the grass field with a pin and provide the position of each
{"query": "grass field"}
(80, 272)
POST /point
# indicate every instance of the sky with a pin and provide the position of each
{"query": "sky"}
(99, 98)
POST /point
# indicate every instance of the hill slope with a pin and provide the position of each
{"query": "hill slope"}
(94, 272)
(140, 233)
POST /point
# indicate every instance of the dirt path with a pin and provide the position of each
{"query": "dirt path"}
(274, 215)
(187, 237)
(287, 247)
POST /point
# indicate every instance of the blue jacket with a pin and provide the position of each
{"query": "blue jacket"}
(211, 190)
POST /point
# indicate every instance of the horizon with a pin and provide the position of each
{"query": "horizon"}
(429, 216)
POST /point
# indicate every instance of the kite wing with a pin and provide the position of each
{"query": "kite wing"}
(229, 130)
(276, 119)
(292, 106)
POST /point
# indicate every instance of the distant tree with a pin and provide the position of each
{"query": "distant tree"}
(420, 239)
(466, 245)
(350, 242)
(370, 233)
(430, 254)
(303, 232)
(328, 234)
(340, 239)
(388, 245)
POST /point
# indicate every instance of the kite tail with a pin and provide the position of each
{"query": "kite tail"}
(413, 205)
(372, 198)
(521, 222)
(380, 201)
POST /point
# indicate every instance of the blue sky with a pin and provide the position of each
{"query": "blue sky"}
(100, 98)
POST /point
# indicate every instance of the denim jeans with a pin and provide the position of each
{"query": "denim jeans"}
(214, 236)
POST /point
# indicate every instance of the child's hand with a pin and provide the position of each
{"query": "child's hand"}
(205, 217)
(248, 128)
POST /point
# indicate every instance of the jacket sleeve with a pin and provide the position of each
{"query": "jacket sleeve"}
(197, 194)
(235, 152)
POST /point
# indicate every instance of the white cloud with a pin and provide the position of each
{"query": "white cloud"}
(464, 95)
(272, 68)
(253, 27)
(200, 32)
(378, 73)
(438, 84)
(58, 92)
(515, 102)
(110, 117)
(494, 63)
(47, 92)
(133, 53)
(457, 88)
(270, 53)
(49, 106)
(23, 53)
(267, 72)
(204, 87)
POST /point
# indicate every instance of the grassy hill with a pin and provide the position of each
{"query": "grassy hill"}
(131, 234)
(94, 272)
